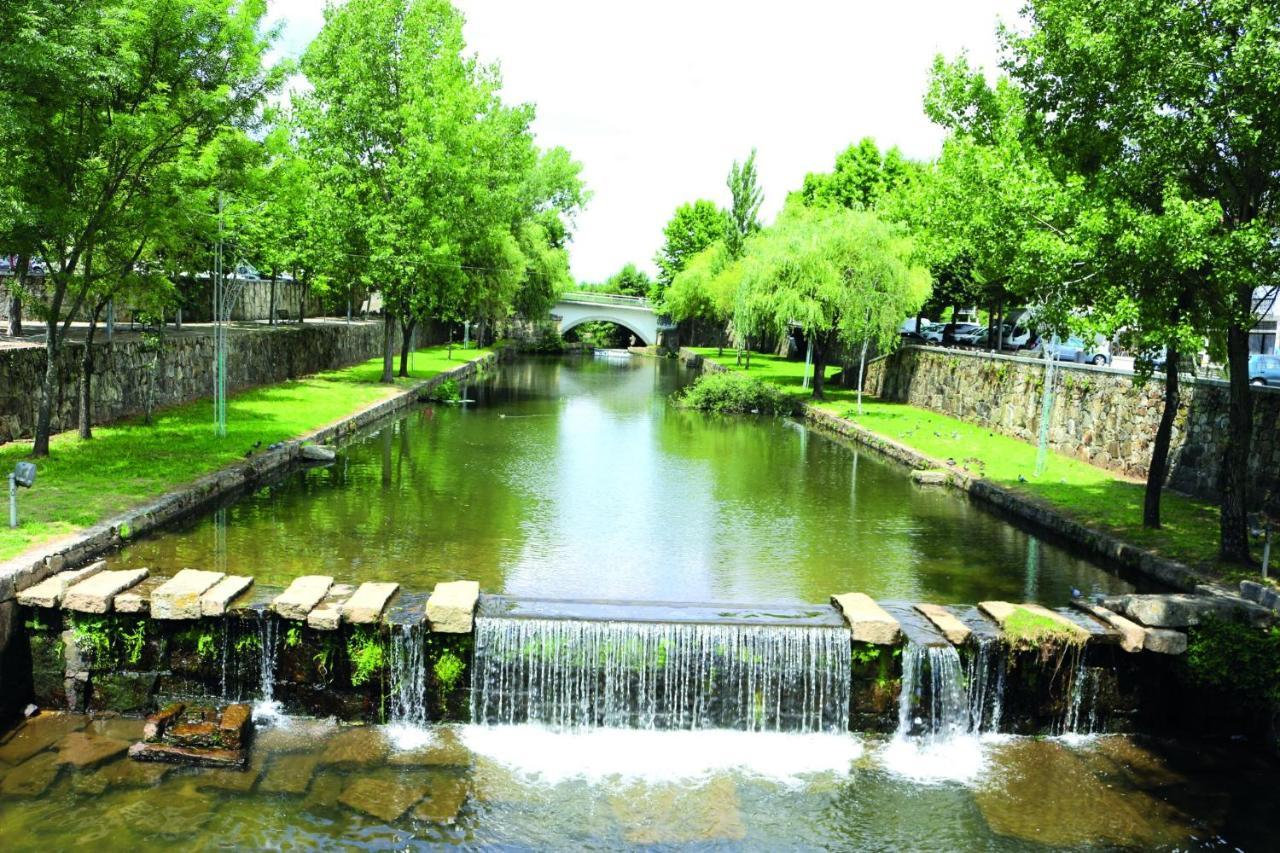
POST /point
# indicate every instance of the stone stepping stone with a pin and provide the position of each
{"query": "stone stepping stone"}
(956, 632)
(49, 592)
(326, 788)
(1183, 610)
(1131, 634)
(1002, 611)
(31, 778)
(451, 607)
(169, 753)
(290, 774)
(97, 593)
(445, 750)
(447, 794)
(217, 599)
(387, 799)
(37, 734)
(358, 745)
(868, 621)
(83, 749)
(327, 615)
(366, 605)
(668, 814)
(179, 597)
(302, 596)
(233, 781)
(120, 774)
(138, 599)
(293, 736)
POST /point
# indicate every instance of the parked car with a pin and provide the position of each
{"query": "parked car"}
(952, 331)
(1074, 349)
(914, 333)
(1264, 370)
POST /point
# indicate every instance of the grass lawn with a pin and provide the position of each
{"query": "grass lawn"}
(1092, 495)
(128, 462)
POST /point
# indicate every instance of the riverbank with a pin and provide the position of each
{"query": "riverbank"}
(1096, 508)
(82, 483)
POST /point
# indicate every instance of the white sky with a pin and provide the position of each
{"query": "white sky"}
(657, 98)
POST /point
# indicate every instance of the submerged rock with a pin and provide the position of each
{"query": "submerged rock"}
(290, 774)
(363, 745)
(195, 756)
(386, 798)
(31, 778)
(447, 794)
(36, 735)
(82, 749)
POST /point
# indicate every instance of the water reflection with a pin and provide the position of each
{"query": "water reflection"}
(576, 478)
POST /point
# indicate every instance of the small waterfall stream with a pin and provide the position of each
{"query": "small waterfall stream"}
(651, 675)
(267, 637)
(1079, 717)
(408, 691)
(984, 680)
(934, 703)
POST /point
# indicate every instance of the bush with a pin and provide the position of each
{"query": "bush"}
(1236, 658)
(736, 393)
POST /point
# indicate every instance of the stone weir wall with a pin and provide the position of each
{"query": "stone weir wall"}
(1100, 415)
(182, 370)
(118, 641)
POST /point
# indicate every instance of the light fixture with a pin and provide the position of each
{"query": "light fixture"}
(24, 475)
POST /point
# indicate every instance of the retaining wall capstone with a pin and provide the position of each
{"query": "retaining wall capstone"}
(1100, 415)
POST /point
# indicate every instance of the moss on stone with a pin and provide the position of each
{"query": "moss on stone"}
(1026, 629)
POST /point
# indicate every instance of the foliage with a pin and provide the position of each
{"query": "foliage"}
(628, 281)
(110, 640)
(293, 637)
(862, 177)
(735, 393)
(367, 652)
(206, 645)
(251, 642)
(1241, 660)
(744, 211)
(447, 391)
(448, 669)
(1026, 629)
(692, 228)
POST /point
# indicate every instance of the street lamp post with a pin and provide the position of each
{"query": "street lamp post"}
(24, 475)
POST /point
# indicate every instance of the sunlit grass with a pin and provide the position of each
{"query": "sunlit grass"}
(129, 462)
(1094, 496)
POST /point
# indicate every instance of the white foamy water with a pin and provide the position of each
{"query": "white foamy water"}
(405, 737)
(550, 756)
(269, 711)
(934, 761)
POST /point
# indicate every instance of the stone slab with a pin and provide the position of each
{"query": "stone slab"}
(289, 774)
(172, 754)
(1164, 641)
(49, 592)
(1000, 611)
(157, 723)
(137, 599)
(83, 749)
(384, 798)
(1132, 636)
(327, 615)
(233, 726)
(217, 598)
(451, 607)
(929, 478)
(179, 597)
(302, 596)
(956, 632)
(37, 734)
(367, 603)
(1183, 610)
(868, 621)
(32, 778)
(97, 593)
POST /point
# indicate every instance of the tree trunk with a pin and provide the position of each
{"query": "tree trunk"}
(406, 333)
(748, 348)
(86, 375)
(271, 304)
(15, 301)
(862, 372)
(1234, 526)
(1158, 472)
(388, 344)
(302, 303)
(44, 413)
(819, 366)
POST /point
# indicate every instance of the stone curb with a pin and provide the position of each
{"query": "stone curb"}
(42, 561)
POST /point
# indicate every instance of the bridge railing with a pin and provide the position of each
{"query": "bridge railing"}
(596, 298)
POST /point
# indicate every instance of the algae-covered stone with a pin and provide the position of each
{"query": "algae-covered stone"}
(31, 778)
(37, 734)
(125, 692)
(290, 774)
(386, 798)
(356, 745)
(447, 793)
(83, 749)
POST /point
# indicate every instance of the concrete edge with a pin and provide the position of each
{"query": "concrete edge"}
(41, 561)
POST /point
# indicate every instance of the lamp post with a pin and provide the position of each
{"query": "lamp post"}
(24, 475)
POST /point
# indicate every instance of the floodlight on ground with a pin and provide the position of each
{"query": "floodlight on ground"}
(24, 475)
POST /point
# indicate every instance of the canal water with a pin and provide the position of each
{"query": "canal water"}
(577, 478)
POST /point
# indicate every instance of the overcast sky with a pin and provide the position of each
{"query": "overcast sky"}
(658, 98)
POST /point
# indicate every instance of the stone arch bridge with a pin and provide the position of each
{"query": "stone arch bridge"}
(633, 313)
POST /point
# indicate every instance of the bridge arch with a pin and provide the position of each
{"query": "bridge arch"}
(567, 325)
(631, 313)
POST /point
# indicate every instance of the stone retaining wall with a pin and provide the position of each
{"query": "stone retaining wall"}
(182, 369)
(1100, 415)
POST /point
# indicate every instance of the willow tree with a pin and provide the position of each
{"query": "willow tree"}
(844, 277)
(707, 289)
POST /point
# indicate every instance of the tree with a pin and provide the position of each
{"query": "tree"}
(861, 178)
(1166, 96)
(744, 211)
(115, 91)
(843, 276)
(706, 289)
(629, 281)
(692, 228)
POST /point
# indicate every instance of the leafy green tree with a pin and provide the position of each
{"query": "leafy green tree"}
(115, 91)
(707, 289)
(692, 228)
(744, 211)
(1167, 96)
(629, 281)
(843, 276)
(861, 178)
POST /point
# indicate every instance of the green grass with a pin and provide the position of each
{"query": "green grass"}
(1086, 493)
(1025, 629)
(129, 462)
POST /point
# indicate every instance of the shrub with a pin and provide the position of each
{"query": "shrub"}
(1236, 658)
(736, 393)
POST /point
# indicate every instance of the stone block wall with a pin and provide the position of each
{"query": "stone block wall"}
(1100, 415)
(183, 370)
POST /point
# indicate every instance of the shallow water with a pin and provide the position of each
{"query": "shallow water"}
(576, 478)
(312, 783)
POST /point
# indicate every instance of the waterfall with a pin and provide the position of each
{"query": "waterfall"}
(658, 675)
(933, 702)
(984, 678)
(408, 676)
(267, 658)
(1081, 692)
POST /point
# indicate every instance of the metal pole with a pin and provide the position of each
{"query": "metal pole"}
(466, 335)
(13, 500)
(808, 364)
(1046, 405)
(1266, 546)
